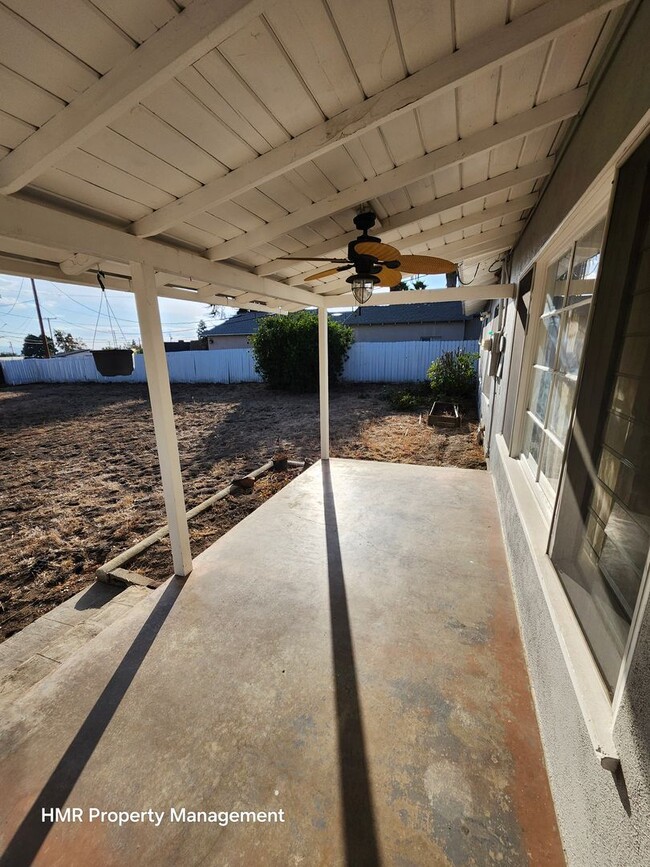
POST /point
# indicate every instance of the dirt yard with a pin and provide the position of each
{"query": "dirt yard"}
(81, 484)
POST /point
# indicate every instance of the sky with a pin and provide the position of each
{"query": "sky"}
(76, 309)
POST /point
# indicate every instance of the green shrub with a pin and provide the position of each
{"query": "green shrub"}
(286, 351)
(453, 375)
(406, 398)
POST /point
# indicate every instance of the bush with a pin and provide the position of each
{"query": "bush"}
(286, 351)
(403, 401)
(453, 375)
(407, 397)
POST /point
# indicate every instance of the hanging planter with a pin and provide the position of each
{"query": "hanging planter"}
(113, 362)
(110, 362)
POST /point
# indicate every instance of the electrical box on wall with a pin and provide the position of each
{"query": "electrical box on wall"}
(497, 352)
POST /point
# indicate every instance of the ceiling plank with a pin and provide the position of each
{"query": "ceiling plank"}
(520, 125)
(42, 226)
(479, 55)
(184, 39)
(437, 206)
(439, 233)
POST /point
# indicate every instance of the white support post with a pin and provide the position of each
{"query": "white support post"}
(153, 346)
(323, 385)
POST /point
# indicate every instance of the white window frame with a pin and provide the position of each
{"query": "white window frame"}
(599, 711)
(591, 211)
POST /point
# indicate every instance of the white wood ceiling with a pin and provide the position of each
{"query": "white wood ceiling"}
(291, 67)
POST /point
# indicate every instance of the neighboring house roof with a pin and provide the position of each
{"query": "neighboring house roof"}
(405, 314)
(393, 314)
(242, 323)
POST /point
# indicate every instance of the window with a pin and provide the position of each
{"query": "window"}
(558, 351)
(601, 537)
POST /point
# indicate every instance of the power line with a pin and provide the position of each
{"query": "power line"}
(20, 289)
(119, 319)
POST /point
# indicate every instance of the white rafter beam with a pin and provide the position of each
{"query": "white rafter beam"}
(473, 193)
(426, 296)
(229, 301)
(77, 264)
(49, 271)
(251, 301)
(551, 112)
(179, 43)
(439, 233)
(38, 225)
(479, 55)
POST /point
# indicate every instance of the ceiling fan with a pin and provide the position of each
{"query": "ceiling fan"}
(375, 263)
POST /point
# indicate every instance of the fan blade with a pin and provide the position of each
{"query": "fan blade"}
(426, 265)
(311, 259)
(322, 274)
(389, 277)
(380, 251)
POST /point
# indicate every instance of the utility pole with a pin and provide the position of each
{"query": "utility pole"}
(40, 320)
(49, 319)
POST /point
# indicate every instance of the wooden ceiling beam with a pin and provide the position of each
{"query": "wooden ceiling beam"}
(483, 53)
(179, 43)
(38, 225)
(473, 193)
(426, 296)
(555, 110)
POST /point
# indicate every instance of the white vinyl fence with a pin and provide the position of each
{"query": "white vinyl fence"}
(368, 362)
(406, 361)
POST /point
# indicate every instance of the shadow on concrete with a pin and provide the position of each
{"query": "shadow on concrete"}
(97, 595)
(32, 832)
(358, 815)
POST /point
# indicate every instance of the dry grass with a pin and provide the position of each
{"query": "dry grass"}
(81, 483)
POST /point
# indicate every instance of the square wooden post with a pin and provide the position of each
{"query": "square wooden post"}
(323, 384)
(155, 360)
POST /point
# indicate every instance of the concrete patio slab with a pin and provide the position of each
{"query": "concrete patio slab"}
(346, 659)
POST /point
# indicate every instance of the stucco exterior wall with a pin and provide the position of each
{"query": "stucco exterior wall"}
(604, 819)
(412, 331)
(229, 341)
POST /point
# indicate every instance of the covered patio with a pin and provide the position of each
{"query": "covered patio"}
(327, 658)
(349, 654)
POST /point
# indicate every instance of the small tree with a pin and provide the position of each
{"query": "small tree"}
(33, 346)
(201, 328)
(404, 286)
(286, 350)
(453, 375)
(66, 342)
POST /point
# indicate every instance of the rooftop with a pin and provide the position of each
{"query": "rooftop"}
(442, 311)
